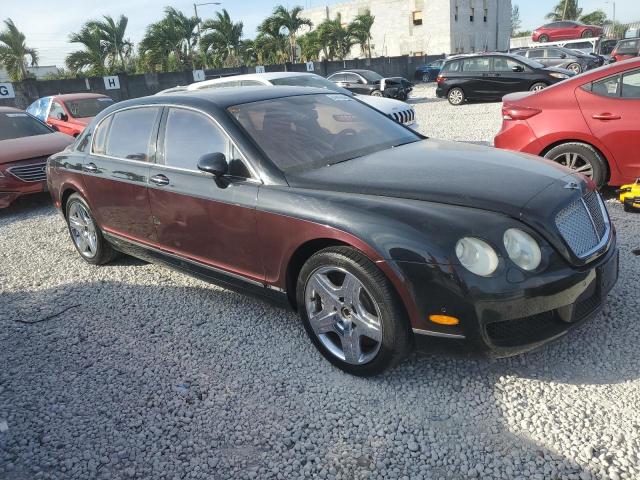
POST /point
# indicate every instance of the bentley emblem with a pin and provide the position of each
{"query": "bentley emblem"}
(572, 186)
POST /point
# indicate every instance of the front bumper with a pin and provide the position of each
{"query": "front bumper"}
(510, 315)
(11, 188)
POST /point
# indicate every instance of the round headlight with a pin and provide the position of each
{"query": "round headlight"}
(523, 250)
(477, 256)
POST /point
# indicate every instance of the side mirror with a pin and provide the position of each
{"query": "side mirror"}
(517, 68)
(214, 163)
(62, 116)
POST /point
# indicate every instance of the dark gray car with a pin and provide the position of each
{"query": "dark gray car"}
(563, 57)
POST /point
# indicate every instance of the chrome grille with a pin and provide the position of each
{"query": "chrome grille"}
(34, 172)
(405, 117)
(584, 224)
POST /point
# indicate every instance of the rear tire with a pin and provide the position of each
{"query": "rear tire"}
(581, 158)
(575, 68)
(456, 96)
(543, 38)
(85, 232)
(538, 86)
(361, 327)
(376, 93)
(587, 34)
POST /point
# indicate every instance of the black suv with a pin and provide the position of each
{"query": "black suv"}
(368, 82)
(492, 76)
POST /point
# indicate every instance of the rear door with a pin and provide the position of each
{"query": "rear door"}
(356, 84)
(117, 169)
(211, 222)
(611, 108)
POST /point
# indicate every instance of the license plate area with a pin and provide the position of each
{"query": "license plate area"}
(608, 273)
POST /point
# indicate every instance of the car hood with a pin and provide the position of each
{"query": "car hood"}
(31, 147)
(443, 172)
(385, 105)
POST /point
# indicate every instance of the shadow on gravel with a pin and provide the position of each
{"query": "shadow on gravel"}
(29, 204)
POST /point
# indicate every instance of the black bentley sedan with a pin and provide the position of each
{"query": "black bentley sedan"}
(368, 82)
(492, 76)
(377, 236)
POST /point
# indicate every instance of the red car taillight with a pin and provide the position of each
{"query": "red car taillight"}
(440, 79)
(512, 112)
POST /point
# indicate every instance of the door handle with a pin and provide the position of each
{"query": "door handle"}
(90, 167)
(606, 116)
(159, 180)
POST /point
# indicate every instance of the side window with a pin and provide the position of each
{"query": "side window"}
(554, 53)
(190, 135)
(452, 67)
(536, 53)
(480, 64)
(100, 137)
(130, 133)
(250, 83)
(56, 109)
(609, 87)
(502, 64)
(338, 77)
(631, 85)
(351, 78)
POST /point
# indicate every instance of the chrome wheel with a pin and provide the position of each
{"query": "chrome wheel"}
(575, 162)
(456, 97)
(83, 230)
(343, 315)
(537, 87)
(376, 93)
(575, 68)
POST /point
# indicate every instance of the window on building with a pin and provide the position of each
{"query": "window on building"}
(418, 54)
(486, 14)
(472, 15)
(456, 14)
(417, 18)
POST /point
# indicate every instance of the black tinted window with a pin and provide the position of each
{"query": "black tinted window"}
(88, 107)
(351, 78)
(536, 53)
(504, 64)
(100, 137)
(338, 77)
(188, 136)
(628, 47)
(480, 64)
(130, 133)
(19, 124)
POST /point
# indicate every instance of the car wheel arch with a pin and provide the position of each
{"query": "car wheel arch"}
(598, 150)
(64, 198)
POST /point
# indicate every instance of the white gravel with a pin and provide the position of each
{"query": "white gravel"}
(152, 374)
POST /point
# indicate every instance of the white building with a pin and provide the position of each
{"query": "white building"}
(426, 27)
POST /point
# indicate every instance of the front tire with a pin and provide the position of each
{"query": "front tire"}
(581, 158)
(587, 34)
(351, 312)
(575, 68)
(543, 38)
(538, 86)
(456, 96)
(376, 93)
(85, 232)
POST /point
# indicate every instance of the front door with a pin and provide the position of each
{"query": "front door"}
(58, 118)
(117, 170)
(211, 222)
(356, 84)
(612, 111)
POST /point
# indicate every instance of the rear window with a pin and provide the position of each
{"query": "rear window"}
(19, 124)
(452, 66)
(481, 64)
(87, 107)
(628, 47)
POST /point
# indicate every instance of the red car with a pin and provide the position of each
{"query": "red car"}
(565, 30)
(69, 113)
(625, 49)
(589, 123)
(25, 145)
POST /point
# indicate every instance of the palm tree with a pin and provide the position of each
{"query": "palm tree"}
(336, 40)
(13, 51)
(292, 22)
(565, 10)
(112, 35)
(91, 59)
(270, 45)
(360, 30)
(223, 38)
(310, 45)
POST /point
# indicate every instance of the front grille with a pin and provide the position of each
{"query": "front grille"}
(405, 117)
(34, 172)
(584, 224)
(512, 333)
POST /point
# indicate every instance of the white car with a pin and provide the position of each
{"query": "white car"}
(397, 110)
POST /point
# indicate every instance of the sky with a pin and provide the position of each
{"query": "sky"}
(47, 23)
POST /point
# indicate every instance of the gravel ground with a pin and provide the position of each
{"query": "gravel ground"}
(135, 371)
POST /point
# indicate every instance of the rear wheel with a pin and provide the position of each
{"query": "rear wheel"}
(575, 68)
(85, 233)
(376, 93)
(456, 96)
(587, 34)
(351, 312)
(543, 38)
(425, 78)
(581, 158)
(536, 87)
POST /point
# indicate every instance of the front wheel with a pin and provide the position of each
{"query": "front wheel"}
(587, 34)
(351, 312)
(456, 96)
(85, 233)
(575, 68)
(581, 158)
(538, 86)
(543, 38)
(376, 93)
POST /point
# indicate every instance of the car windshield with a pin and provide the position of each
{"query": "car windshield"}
(530, 63)
(310, 81)
(371, 76)
(87, 107)
(19, 124)
(311, 131)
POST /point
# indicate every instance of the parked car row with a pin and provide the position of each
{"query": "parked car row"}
(565, 30)
(562, 57)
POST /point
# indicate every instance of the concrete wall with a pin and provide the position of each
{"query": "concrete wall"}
(394, 32)
(134, 86)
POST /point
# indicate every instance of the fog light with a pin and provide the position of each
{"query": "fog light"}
(444, 319)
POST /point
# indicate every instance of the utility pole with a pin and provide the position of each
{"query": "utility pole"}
(497, 25)
(195, 10)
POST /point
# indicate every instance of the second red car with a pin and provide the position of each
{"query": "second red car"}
(565, 30)
(590, 123)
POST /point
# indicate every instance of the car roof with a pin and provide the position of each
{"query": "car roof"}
(355, 70)
(247, 76)
(224, 98)
(10, 110)
(77, 96)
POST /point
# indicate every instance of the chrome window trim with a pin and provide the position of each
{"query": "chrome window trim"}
(168, 105)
